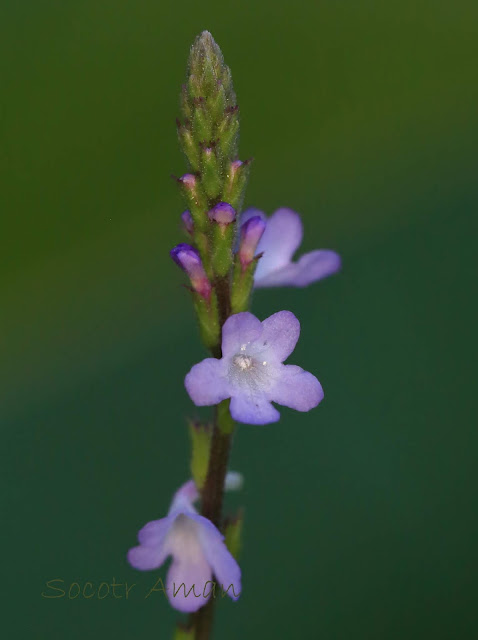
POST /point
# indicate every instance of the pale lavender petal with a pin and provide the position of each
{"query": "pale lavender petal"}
(186, 583)
(253, 409)
(311, 267)
(251, 213)
(296, 388)
(146, 558)
(224, 566)
(279, 336)
(154, 532)
(205, 523)
(184, 497)
(251, 233)
(245, 216)
(239, 330)
(207, 383)
(281, 238)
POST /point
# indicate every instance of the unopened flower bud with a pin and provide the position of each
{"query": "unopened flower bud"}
(251, 233)
(235, 166)
(210, 172)
(235, 183)
(223, 214)
(195, 198)
(189, 260)
(187, 221)
(188, 180)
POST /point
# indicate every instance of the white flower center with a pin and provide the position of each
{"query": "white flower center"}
(249, 370)
(183, 539)
(243, 362)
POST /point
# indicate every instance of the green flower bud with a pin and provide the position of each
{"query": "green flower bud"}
(208, 104)
(233, 533)
(183, 633)
(211, 173)
(222, 217)
(200, 435)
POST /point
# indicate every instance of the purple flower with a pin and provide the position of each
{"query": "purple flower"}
(197, 548)
(189, 260)
(223, 214)
(281, 239)
(251, 233)
(187, 221)
(188, 180)
(235, 166)
(251, 372)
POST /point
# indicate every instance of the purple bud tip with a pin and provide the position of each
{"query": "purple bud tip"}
(251, 233)
(184, 255)
(222, 213)
(187, 221)
(188, 180)
(188, 258)
(236, 165)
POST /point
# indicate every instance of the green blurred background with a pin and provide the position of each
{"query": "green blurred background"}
(362, 115)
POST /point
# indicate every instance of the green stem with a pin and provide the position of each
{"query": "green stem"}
(223, 292)
(212, 498)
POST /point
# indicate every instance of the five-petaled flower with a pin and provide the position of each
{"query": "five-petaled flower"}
(251, 371)
(197, 548)
(280, 240)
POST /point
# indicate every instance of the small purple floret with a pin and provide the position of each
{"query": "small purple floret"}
(222, 213)
(187, 221)
(280, 240)
(251, 233)
(251, 371)
(197, 548)
(188, 180)
(235, 166)
(188, 258)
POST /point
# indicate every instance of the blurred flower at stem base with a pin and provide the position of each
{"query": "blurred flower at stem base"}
(197, 548)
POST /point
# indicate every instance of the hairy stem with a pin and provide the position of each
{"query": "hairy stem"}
(223, 298)
(212, 509)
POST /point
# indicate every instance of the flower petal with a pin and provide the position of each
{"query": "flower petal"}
(253, 409)
(186, 583)
(183, 498)
(296, 388)
(239, 330)
(250, 213)
(279, 336)
(223, 564)
(154, 532)
(281, 238)
(207, 383)
(146, 558)
(311, 267)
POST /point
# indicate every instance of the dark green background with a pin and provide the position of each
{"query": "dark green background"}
(362, 115)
